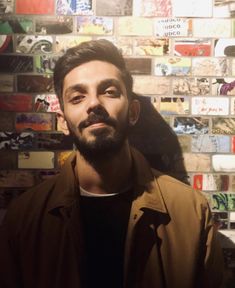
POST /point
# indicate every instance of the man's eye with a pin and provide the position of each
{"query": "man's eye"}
(76, 99)
(112, 93)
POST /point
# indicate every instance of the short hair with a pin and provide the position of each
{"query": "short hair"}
(102, 50)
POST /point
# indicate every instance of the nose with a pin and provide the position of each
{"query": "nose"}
(93, 103)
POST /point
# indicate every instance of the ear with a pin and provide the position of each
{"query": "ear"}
(62, 123)
(134, 111)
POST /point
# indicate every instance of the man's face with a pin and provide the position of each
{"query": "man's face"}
(96, 108)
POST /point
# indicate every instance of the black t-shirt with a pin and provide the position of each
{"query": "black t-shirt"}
(105, 221)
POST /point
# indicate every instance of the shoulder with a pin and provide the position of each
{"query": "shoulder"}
(178, 194)
(30, 203)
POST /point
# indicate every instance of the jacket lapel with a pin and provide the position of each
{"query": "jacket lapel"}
(148, 212)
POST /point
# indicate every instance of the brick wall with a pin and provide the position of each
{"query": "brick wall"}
(181, 56)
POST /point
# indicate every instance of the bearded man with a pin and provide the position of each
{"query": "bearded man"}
(108, 219)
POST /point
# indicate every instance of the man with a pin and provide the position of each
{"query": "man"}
(108, 219)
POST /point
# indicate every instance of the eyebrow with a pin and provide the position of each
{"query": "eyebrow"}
(82, 88)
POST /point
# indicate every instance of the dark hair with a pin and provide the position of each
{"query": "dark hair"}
(102, 50)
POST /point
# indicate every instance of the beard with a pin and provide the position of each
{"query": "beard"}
(106, 142)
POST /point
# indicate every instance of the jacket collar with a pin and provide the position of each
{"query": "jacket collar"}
(146, 186)
(148, 190)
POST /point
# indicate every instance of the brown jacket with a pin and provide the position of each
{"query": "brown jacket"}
(170, 241)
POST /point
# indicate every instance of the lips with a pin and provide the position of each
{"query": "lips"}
(97, 121)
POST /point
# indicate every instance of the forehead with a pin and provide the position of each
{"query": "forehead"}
(92, 73)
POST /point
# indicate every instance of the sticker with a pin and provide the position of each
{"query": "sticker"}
(139, 65)
(191, 86)
(191, 125)
(17, 140)
(192, 47)
(94, 25)
(34, 44)
(6, 6)
(185, 143)
(34, 121)
(6, 121)
(223, 86)
(34, 83)
(63, 43)
(173, 66)
(54, 141)
(223, 9)
(16, 63)
(6, 44)
(197, 162)
(223, 202)
(174, 105)
(210, 106)
(151, 46)
(233, 106)
(46, 103)
(209, 66)
(224, 126)
(151, 85)
(114, 7)
(54, 25)
(210, 143)
(223, 163)
(173, 27)
(10, 178)
(233, 144)
(34, 7)
(16, 102)
(224, 47)
(19, 25)
(211, 182)
(212, 28)
(134, 26)
(192, 8)
(6, 83)
(45, 63)
(149, 8)
(74, 7)
(36, 160)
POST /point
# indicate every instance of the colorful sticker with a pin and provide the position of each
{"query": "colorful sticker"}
(173, 66)
(34, 7)
(94, 25)
(174, 105)
(34, 121)
(46, 103)
(74, 7)
(19, 25)
(34, 44)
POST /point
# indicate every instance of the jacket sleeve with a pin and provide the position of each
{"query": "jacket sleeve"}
(9, 269)
(213, 261)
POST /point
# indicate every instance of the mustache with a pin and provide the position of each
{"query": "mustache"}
(94, 118)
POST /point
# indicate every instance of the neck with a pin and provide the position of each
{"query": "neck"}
(109, 175)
